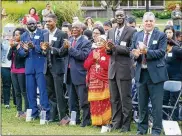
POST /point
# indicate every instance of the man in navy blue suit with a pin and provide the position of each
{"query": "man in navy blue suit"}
(75, 74)
(34, 66)
(149, 48)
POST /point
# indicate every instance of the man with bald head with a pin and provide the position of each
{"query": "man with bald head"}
(148, 49)
(34, 67)
(120, 72)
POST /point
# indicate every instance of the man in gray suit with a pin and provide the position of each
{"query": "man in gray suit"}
(149, 48)
(119, 40)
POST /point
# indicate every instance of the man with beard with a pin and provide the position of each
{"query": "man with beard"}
(54, 69)
(34, 66)
(119, 41)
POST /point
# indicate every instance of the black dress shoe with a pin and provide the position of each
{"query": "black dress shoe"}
(84, 124)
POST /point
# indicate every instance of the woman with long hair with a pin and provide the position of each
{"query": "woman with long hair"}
(174, 69)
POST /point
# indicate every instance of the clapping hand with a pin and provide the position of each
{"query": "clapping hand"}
(96, 55)
(66, 43)
(142, 47)
(25, 46)
(44, 45)
(11, 42)
(30, 45)
(136, 52)
(109, 44)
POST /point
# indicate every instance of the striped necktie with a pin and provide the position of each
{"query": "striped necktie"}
(117, 37)
(145, 41)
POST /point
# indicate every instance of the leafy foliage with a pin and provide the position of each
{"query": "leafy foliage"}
(64, 10)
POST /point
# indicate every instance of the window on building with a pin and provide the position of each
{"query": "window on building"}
(157, 2)
(124, 3)
(132, 3)
(141, 2)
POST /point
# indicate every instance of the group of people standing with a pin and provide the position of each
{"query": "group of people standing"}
(95, 65)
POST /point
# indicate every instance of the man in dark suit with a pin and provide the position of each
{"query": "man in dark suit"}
(119, 39)
(34, 66)
(54, 67)
(75, 74)
(148, 48)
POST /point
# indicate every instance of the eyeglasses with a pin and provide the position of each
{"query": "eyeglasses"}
(96, 33)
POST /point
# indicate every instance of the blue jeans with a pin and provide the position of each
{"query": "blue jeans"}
(176, 27)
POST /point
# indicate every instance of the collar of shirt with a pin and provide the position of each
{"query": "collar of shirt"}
(150, 34)
(52, 33)
(120, 29)
(77, 38)
(33, 32)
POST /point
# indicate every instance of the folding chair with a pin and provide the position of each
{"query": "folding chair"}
(172, 86)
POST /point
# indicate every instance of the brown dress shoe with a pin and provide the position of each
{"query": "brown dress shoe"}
(64, 121)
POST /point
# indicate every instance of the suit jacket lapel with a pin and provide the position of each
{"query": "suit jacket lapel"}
(152, 38)
(55, 35)
(78, 42)
(123, 33)
(46, 37)
(113, 35)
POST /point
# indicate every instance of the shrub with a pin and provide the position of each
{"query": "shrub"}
(138, 13)
(64, 10)
(164, 14)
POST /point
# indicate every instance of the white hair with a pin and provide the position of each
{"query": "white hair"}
(148, 16)
(78, 24)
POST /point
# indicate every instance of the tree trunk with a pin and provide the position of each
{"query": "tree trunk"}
(109, 12)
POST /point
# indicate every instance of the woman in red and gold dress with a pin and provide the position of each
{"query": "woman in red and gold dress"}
(97, 80)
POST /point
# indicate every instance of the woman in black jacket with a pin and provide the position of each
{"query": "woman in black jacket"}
(18, 71)
(174, 68)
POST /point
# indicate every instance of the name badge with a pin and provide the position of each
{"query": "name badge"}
(54, 38)
(36, 37)
(103, 58)
(170, 54)
(123, 43)
(154, 42)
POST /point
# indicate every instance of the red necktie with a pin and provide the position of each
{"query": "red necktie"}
(74, 43)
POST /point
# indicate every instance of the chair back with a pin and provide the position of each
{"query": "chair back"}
(172, 86)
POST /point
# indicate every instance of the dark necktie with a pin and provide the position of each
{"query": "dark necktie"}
(145, 41)
(117, 37)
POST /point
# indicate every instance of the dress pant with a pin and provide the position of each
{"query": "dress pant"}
(56, 93)
(32, 82)
(147, 89)
(121, 103)
(170, 98)
(18, 81)
(6, 85)
(78, 99)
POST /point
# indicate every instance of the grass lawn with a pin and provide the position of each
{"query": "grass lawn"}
(15, 126)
